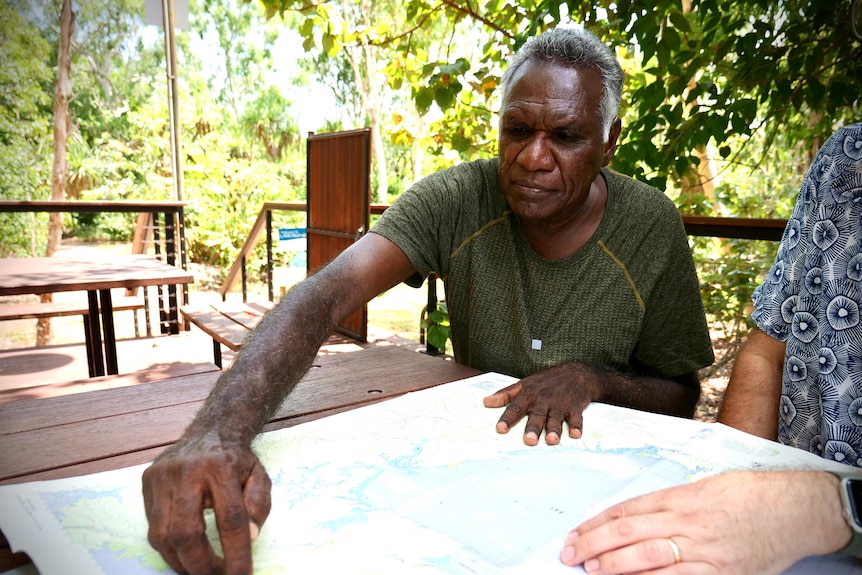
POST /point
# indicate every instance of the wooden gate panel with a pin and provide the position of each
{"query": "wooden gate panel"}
(338, 196)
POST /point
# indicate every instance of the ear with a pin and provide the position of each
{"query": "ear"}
(611, 144)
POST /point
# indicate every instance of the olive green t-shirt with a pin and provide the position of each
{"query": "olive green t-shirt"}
(629, 299)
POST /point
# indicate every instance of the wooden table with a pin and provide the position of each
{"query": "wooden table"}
(97, 277)
(56, 437)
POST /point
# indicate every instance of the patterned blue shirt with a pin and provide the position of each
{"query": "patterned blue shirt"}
(812, 301)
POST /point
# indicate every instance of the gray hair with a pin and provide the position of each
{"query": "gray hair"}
(576, 48)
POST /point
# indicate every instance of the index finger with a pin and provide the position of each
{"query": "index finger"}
(159, 518)
(503, 396)
(645, 504)
(232, 520)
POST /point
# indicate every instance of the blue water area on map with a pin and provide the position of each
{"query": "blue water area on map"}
(504, 509)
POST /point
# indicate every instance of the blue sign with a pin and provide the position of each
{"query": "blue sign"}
(290, 234)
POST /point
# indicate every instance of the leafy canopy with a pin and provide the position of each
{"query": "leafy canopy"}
(700, 73)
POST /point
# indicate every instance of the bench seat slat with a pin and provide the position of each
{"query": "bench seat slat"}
(60, 309)
(218, 326)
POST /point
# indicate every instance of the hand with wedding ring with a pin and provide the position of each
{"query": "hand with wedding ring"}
(758, 522)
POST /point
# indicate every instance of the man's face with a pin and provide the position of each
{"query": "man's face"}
(551, 142)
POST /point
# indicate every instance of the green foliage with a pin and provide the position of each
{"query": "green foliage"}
(226, 191)
(268, 121)
(436, 326)
(702, 80)
(729, 272)
(25, 128)
(244, 52)
(731, 70)
(107, 226)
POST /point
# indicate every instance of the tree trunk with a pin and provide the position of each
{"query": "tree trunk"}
(370, 83)
(379, 160)
(62, 124)
(700, 179)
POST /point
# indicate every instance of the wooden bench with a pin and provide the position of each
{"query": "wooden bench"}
(228, 323)
(61, 309)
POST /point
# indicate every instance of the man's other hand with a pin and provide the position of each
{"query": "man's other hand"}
(547, 398)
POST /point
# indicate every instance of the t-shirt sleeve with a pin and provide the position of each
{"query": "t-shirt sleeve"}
(429, 220)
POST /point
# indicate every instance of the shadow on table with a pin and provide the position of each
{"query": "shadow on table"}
(154, 372)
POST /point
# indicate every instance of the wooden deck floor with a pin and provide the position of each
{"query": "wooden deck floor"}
(32, 372)
(54, 370)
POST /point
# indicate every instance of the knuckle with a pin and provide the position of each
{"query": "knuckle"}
(183, 538)
(654, 552)
(625, 527)
(617, 511)
(233, 518)
(515, 410)
(157, 540)
(264, 478)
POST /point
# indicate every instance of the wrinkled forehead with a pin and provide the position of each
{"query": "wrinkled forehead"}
(559, 84)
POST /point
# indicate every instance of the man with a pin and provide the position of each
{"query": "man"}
(575, 278)
(798, 378)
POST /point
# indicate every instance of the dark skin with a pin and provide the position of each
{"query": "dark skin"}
(551, 149)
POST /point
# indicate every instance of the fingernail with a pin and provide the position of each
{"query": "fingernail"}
(572, 537)
(253, 529)
(567, 555)
(591, 565)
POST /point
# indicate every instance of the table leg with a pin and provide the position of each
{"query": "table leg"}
(164, 326)
(108, 325)
(88, 343)
(93, 336)
(173, 310)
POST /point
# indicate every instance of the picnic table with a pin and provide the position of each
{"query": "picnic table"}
(96, 276)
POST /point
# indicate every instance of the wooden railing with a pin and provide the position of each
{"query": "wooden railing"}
(174, 242)
(739, 228)
(264, 222)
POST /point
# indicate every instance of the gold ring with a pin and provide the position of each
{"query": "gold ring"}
(675, 548)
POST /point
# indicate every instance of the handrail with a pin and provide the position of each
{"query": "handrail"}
(264, 221)
(90, 206)
(737, 228)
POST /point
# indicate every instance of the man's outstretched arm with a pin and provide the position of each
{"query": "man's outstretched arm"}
(212, 465)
